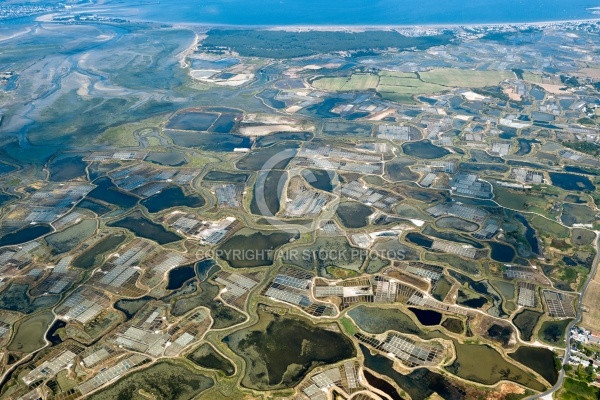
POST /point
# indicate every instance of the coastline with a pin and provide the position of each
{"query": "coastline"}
(105, 9)
(383, 27)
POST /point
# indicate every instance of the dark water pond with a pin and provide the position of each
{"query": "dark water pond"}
(382, 385)
(145, 228)
(192, 121)
(320, 179)
(424, 149)
(109, 193)
(52, 335)
(354, 215)
(530, 234)
(282, 342)
(180, 275)
(539, 359)
(130, 307)
(427, 317)
(571, 181)
(203, 268)
(92, 256)
(67, 168)
(419, 239)
(273, 138)
(526, 322)
(501, 252)
(172, 197)
(26, 234)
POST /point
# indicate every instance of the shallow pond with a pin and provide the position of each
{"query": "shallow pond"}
(203, 268)
(539, 359)
(26, 234)
(424, 149)
(145, 228)
(321, 179)
(277, 137)
(382, 385)
(277, 156)
(420, 384)
(207, 357)
(553, 332)
(171, 158)
(178, 276)
(172, 197)
(354, 215)
(15, 298)
(210, 141)
(222, 176)
(67, 168)
(268, 190)
(162, 380)
(30, 334)
(456, 223)
(281, 350)
(501, 252)
(192, 121)
(454, 325)
(52, 335)
(109, 193)
(530, 234)
(379, 320)
(483, 364)
(130, 307)
(92, 256)
(72, 236)
(571, 181)
(427, 317)
(251, 248)
(223, 316)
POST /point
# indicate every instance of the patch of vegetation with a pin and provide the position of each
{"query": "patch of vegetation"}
(584, 147)
(282, 44)
(553, 332)
(577, 390)
(206, 356)
(164, 380)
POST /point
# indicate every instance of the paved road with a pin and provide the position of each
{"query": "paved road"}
(561, 376)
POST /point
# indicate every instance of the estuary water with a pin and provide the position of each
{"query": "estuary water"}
(352, 12)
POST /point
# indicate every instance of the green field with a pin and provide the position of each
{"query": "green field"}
(547, 227)
(354, 82)
(401, 86)
(469, 78)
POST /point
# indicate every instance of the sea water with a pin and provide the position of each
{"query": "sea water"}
(354, 12)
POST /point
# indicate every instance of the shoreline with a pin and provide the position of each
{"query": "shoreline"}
(365, 27)
(98, 10)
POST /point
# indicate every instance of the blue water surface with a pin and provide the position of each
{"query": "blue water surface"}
(355, 12)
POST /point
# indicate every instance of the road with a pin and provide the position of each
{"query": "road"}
(561, 376)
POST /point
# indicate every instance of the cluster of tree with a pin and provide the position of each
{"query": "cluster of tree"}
(282, 44)
(585, 374)
(569, 81)
(584, 147)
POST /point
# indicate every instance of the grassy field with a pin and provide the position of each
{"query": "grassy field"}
(591, 299)
(522, 201)
(535, 78)
(401, 86)
(549, 228)
(591, 317)
(460, 77)
(352, 83)
(404, 98)
(577, 390)
(348, 326)
(122, 135)
(362, 82)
